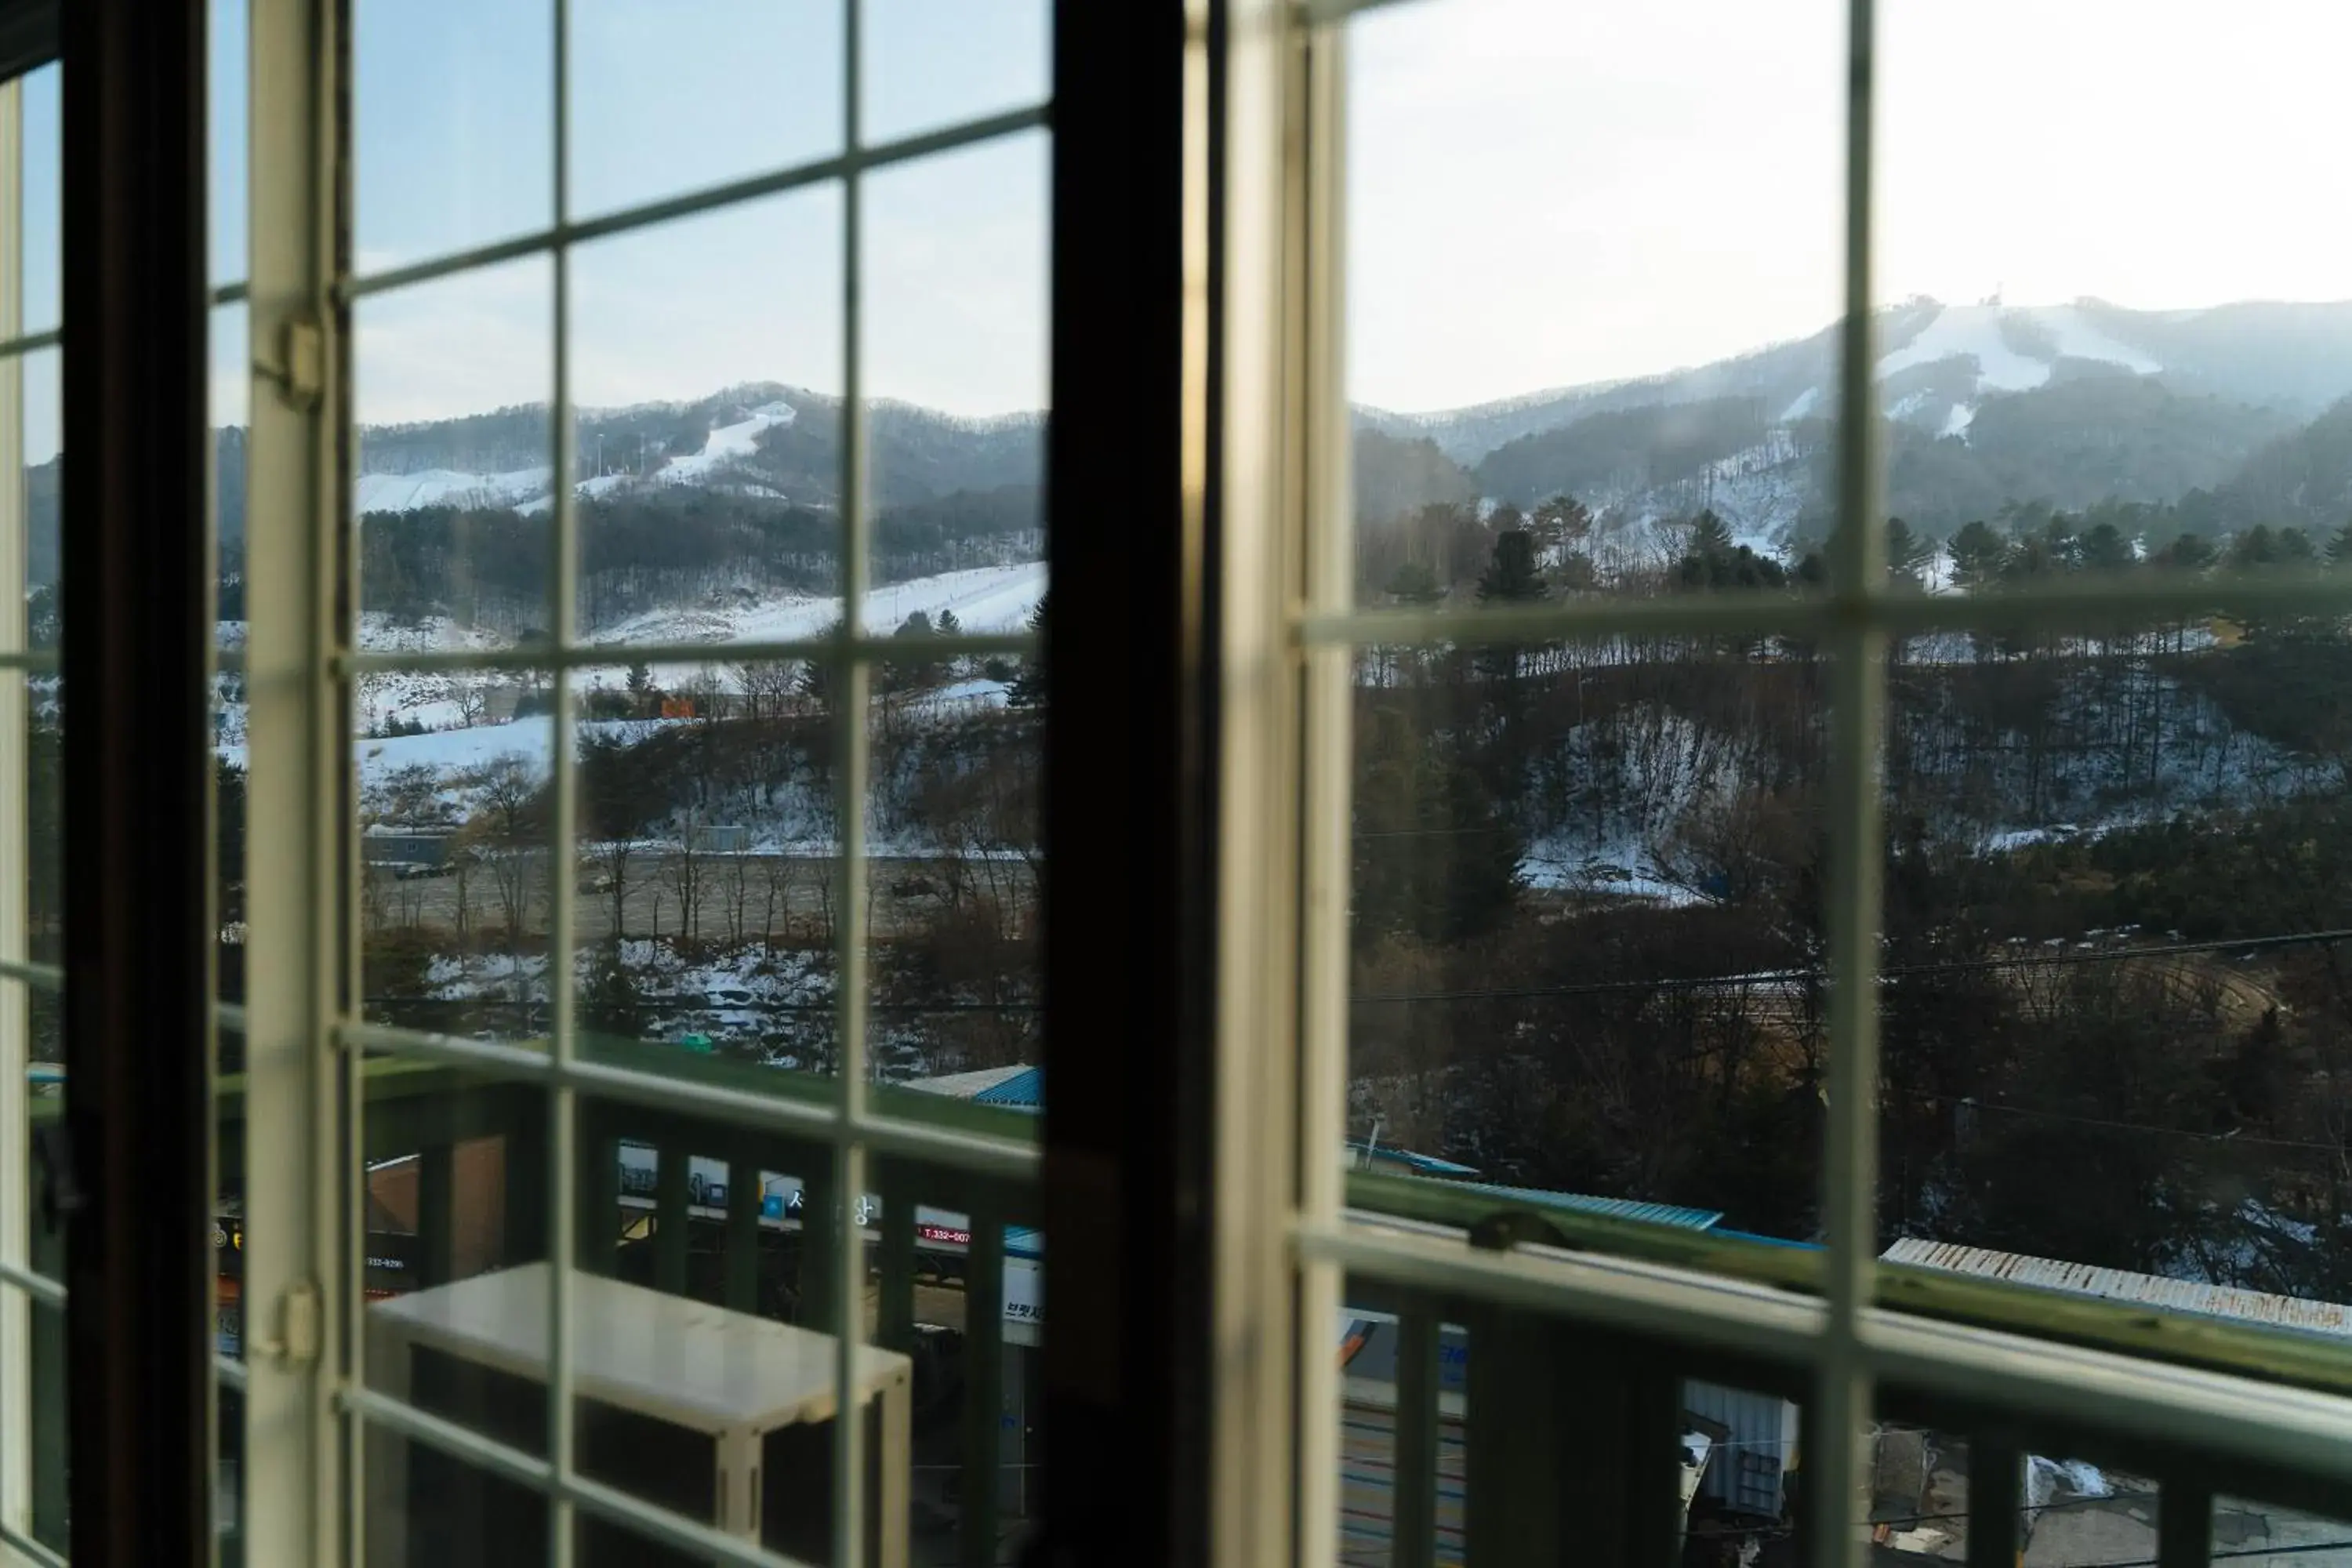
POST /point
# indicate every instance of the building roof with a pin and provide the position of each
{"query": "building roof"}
(1418, 1164)
(968, 1085)
(1614, 1208)
(1024, 1090)
(2121, 1285)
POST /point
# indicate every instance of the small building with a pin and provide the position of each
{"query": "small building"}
(420, 848)
(502, 702)
(720, 838)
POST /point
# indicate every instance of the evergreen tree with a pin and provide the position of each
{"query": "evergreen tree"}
(2188, 553)
(1562, 522)
(2257, 547)
(2105, 549)
(611, 1002)
(1027, 687)
(1413, 583)
(820, 679)
(2339, 547)
(2295, 548)
(1511, 575)
(1979, 556)
(1710, 539)
(1908, 555)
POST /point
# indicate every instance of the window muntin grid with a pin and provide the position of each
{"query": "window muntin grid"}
(840, 1112)
(1843, 1332)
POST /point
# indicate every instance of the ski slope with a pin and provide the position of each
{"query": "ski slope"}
(726, 444)
(446, 487)
(983, 599)
(1976, 331)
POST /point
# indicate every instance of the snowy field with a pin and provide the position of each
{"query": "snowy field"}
(985, 599)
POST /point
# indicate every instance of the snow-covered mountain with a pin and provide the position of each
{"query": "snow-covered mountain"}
(765, 442)
(1988, 403)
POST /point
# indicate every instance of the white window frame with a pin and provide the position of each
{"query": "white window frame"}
(1293, 631)
(307, 1406)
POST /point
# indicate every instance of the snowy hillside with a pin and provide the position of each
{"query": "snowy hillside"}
(2014, 348)
(454, 707)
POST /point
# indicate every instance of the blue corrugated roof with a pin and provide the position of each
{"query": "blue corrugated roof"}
(1023, 1090)
(1418, 1164)
(1615, 1208)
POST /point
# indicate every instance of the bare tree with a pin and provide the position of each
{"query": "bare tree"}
(473, 700)
(510, 798)
(738, 886)
(686, 872)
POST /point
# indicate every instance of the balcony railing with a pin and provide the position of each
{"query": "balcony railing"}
(1564, 1433)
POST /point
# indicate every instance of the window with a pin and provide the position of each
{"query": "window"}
(655, 702)
(1681, 869)
(1592, 942)
(32, 1288)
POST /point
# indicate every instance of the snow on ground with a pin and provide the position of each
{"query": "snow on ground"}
(1976, 331)
(984, 599)
(2047, 1478)
(445, 487)
(1623, 870)
(1804, 403)
(726, 444)
(1958, 421)
(2078, 339)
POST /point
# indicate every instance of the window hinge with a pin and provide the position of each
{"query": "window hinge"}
(296, 1342)
(300, 368)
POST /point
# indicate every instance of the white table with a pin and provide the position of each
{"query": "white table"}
(728, 1375)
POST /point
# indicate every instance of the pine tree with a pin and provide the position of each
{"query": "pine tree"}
(2339, 547)
(1511, 575)
(1562, 521)
(2188, 553)
(1906, 553)
(2257, 547)
(2105, 549)
(820, 679)
(1710, 539)
(1413, 583)
(1979, 556)
(1027, 687)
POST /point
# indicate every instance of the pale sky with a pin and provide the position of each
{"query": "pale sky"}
(1540, 192)
(1548, 192)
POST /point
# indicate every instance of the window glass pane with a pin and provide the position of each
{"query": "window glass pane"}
(32, 1395)
(745, 87)
(955, 307)
(2264, 1535)
(225, 103)
(2110, 1027)
(454, 126)
(1592, 279)
(708, 903)
(706, 359)
(930, 63)
(227, 393)
(954, 1294)
(1468, 1430)
(455, 1167)
(2051, 378)
(451, 505)
(1587, 930)
(43, 201)
(706, 1296)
